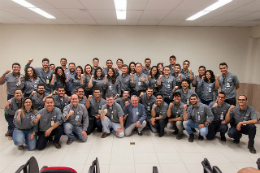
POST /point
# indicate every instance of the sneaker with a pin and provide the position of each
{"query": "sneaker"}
(252, 150)
(236, 141)
(179, 136)
(20, 147)
(176, 132)
(10, 138)
(200, 138)
(140, 134)
(99, 131)
(69, 141)
(191, 137)
(57, 145)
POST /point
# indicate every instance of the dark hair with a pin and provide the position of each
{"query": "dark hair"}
(166, 67)
(202, 67)
(177, 65)
(26, 76)
(80, 88)
(95, 74)
(223, 63)
(109, 95)
(41, 84)
(49, 98)
(18, 89)
(185, 80)
(60, 87)
(96, 88)
(109, 60)
(63, 59)
(139, 64)
(32, 107)
(85, 72)
(221, 92)
(129, 71)
(159, 94)
(212, 78)
(194, 95)
(127, 91)
(95, 59)
(76, 76)
(52, 64)
(175, 94)
(157, 74)
(72, 63)
(243, 96)
(172, 57)
(124, 65)
(149, 88)
(113, 77)
(45, 59)
(16, 63)
(186, 61)
(119, 59)
(147, 59)
(61, 78)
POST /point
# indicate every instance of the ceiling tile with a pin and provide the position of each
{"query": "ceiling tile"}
(128, 22)
(154, 14)
(56, 13)
(76, 13)
(252, 16)
(210, 22)
(253, 6)
(44, 21)
(98, 4)
(5, 21)
(65, 21)
(198, 5)
(234, 5)
(5, 14)
(133, 15)
(190, 22)
(231, 23)
(106, 22)
(148, 22)
(180, 15)
(212, 14)
(231, 15)
(168, 22)
(103, 14)
(22, 20)
(136, 4)
(24, 12)
(66, 4)
(162, 4)
(86, 21)
(250, 23)
(9, 4)
(40, 3)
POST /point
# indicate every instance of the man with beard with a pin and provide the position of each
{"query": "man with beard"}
(197, 116)
(95, 63)
(60, 99)
(123, 101)
(178, 76)
(63, 63)
(72, 72)
(198, 78)
(147, 66)
(172, 60)
(189, 75)
(109, 64)
(125, 79)
(38, 97)
(119, 63)
(81, 94)
(44, 73)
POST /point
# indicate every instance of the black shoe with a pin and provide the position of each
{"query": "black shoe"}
(200, 138)
(236, 141)
(194, 130)
(191, 137)
(140, 134)
(57, 145)
(223, 138)
(252, 150)
(176, 132)
(99, 131)
(179, 136)
(161, 134)
(69, 141)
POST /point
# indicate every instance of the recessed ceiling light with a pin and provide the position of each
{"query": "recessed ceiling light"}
(120, 6)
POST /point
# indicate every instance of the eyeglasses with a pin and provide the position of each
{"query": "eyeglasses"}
(241, 100)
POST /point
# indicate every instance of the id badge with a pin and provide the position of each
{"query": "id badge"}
(99, 111)
(110, 87)
(77, 117)
(35, 86)
(222, 117)
(137, 113)
(169, 86)
(148, 108)
(198, 117)
(155, 85)
(210, 90)
(112, 115)
(188, 102)
(228, 85)
(47, 81)
(139, 83)
(52, 123)
(176, 115)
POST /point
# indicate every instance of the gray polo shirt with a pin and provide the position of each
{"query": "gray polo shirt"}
(187, 76)
(171, 68)
(113, 89)
(38, 101)
(153, 83)
(243, 115)
(26, 122)
(95, 107)
(198, 89)
(185, 97)
(121, 102)
(200, 114)
(138, 84)
(76, 84)
(13, 106)
(177, 110)
(86, 80)
(99, 83)
(12, 83)
(207, 90)
(30, 86)
(178, 80)
(114, 112)
(218, 111)
(167, 85)
(146, 71)
(104, 71)
(161, 110)
(82, 101)
(46, 119)
(60, 102)
(148, 103)
(228, 84)
(124, 82)
(79, 118)
(57, 83)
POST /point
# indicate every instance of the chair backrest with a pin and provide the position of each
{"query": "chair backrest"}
(206, 166)
(155, 169)
(58, 170)
(94, 168)
(31, 166)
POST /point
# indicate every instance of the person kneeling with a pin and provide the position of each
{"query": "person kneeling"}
(135, 113)
(198, 116)
(76, 120)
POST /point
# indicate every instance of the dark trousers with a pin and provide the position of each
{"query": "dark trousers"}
(160, 125)
(167, 100)
(249, 130)
(231, 101)
(10, 121)
(137, 93)
(26, 95)
(206, 102)
(214, 127)
(87, 93)
(68, 93)
(93, 124)
(9, 97)
(42, 140)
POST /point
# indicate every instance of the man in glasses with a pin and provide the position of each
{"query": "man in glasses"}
(242, 118)
(229, 83)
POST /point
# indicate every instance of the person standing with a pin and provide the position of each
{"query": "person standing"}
(140, 82)
(198, 78)
(72, 72)
(147, 66)
(189, 75)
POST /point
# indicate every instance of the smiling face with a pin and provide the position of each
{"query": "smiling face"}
(78, 71)
(27, 103)
(45, 64)
(74, 100)
(49, 104)
(110, 72)
(132, 67)
(134, 101)
(16, 69)
(30, 72)
(40, 89)
(194, 100)
(159, 99)
(63, 62)
(61, 92)
(186, 65)
(60, 72)
(88, 69)
(109, 64)
(166, 70)
(138, 68)
(172, 61)
(99, 72)
(208, 75)
(154, 71)
(177, 69)
(223, 69)
(201, 71)
(147, 63)
(124, 70)
(110, 101)
(18, 94)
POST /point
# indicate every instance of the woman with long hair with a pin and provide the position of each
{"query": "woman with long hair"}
(24, 128)
(132, 68)
(153, 78)
(112, 84)
(160, 68)
(76, 80)
(58, 78)
(98, 80)
(86, 79)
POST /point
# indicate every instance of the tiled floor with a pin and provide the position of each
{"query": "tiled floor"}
(117, 155)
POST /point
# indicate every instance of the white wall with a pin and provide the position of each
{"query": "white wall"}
(79, 43)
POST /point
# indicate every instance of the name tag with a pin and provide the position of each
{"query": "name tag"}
(47, 81)
(99, 111)
(228, 85)
(137, 113)
(77, 117)
(209, 89)
(52, 123)
(139, 83)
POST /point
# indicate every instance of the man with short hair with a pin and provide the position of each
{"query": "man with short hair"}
(94, 105)
(243, 121)
(81, 95)
(123, 101)
(219, 109)
(119, 63)
(140, 82)
(109, 64)
(198, 79)
(175, 115)
(177, 75)
(147, 66)
(12, 80)
(189, 75)
(44, 73)
(229, 83)
(60, 99)
(76, 120)
(95, 63)
(197, 116)
(112, 117)
(72, 72)
(63, 63)
(124, 78)
(52, 67)
(172, 60)
(158, 121)
(48, 121)
(135, 113)
(38, 97)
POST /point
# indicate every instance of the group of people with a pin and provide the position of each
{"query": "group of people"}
(48, 102)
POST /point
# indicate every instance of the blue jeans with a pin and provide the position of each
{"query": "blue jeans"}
(70, 130)
(106, 123)
(191, 124)
(20, 135)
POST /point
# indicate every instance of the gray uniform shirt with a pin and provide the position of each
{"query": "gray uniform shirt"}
(187, 76)
(200, 114)
(95, 107)
(99, 83)
(38, 101)
(243, 115)
(82, 101)
(228, 84)
(197, 89)
(48, 119)
(13, 106)
(113, 89)
(86, 80)
(148, 103)
(178, 80)
(161, 111)
(153, 83)
(57, 83)
(12, 83)
(138, 84)
(146, 71)
(167, 85)
(124, 82)
(60, 102)
(121, 102)
(114, 112)
(76, 84)
(207, 90)
(30, 86)
(80, 115)
(26, 122)
(177, 110)
(218, 111)
(185, 97)
(104, 71)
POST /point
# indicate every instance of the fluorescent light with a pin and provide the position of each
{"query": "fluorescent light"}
(120, 6)
(24, 3)
(210, 8)
(43, 13)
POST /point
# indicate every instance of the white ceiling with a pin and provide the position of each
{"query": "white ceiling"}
(139, 12)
